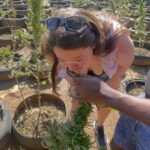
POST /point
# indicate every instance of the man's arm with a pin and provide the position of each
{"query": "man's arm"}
(136, 107)
(92, 90)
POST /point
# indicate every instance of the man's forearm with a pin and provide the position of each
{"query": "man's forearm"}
(135, 107)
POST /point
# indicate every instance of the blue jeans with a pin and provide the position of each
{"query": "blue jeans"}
(131, 134)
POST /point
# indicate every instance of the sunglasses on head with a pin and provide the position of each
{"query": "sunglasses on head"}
(73, 23)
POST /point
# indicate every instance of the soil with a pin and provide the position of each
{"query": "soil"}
(6, 37)
(27, 121)
(142, 52)
(136, 91)
(9, 64)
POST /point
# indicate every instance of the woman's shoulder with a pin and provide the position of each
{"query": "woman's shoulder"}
(111, 25)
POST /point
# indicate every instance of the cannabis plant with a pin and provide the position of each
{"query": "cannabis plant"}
(71, 136)
(140, 33)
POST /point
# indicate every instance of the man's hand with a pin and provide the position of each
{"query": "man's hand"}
(87, 89)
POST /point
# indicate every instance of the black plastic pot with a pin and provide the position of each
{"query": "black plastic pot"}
(4, 30)
(102, 4)
(19, 21)
(127, 21)
(135, 6)
(6, 42)
(30, 142)
(6, 72)
(17, 1)
(6, 125)
(133, 84)
(22, 11)
(6, 38)
(25, 1)
(147, 86)
(142, 60)
(59, 3)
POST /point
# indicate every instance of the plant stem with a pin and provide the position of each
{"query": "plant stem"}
(21, 93)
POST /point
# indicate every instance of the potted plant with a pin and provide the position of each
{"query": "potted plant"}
(10, 18)
(8, 61)
(34, 111)
(72, 135)
(122, 10)
(139, 34)
(142, 53)
(30, 120)
(134, 86)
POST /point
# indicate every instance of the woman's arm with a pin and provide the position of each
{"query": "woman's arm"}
(125, 54)
(124, 58)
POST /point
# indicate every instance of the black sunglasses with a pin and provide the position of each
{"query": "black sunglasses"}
(73, 23)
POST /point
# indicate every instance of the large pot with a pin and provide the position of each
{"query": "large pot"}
(135, 86)
(133, 31)
(127, 21)
(35, 143)
(59, 4)
(6, 71)
(22, 11)
(18, 21)
(142, 60)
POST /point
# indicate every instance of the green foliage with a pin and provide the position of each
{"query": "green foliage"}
(71, 136)
(140, 33)
(55, 137)
(6, 56)
(24, 37)
(5, 53)
(9, 5)
(121, 8)
(79, 3)
(36, 9)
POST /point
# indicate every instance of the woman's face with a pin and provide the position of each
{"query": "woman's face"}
(77, 60)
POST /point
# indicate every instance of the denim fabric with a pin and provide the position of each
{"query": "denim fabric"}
(131, 134)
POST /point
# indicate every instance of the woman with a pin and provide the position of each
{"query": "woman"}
(79, 42)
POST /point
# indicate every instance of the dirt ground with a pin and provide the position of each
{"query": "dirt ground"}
(9, 92)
